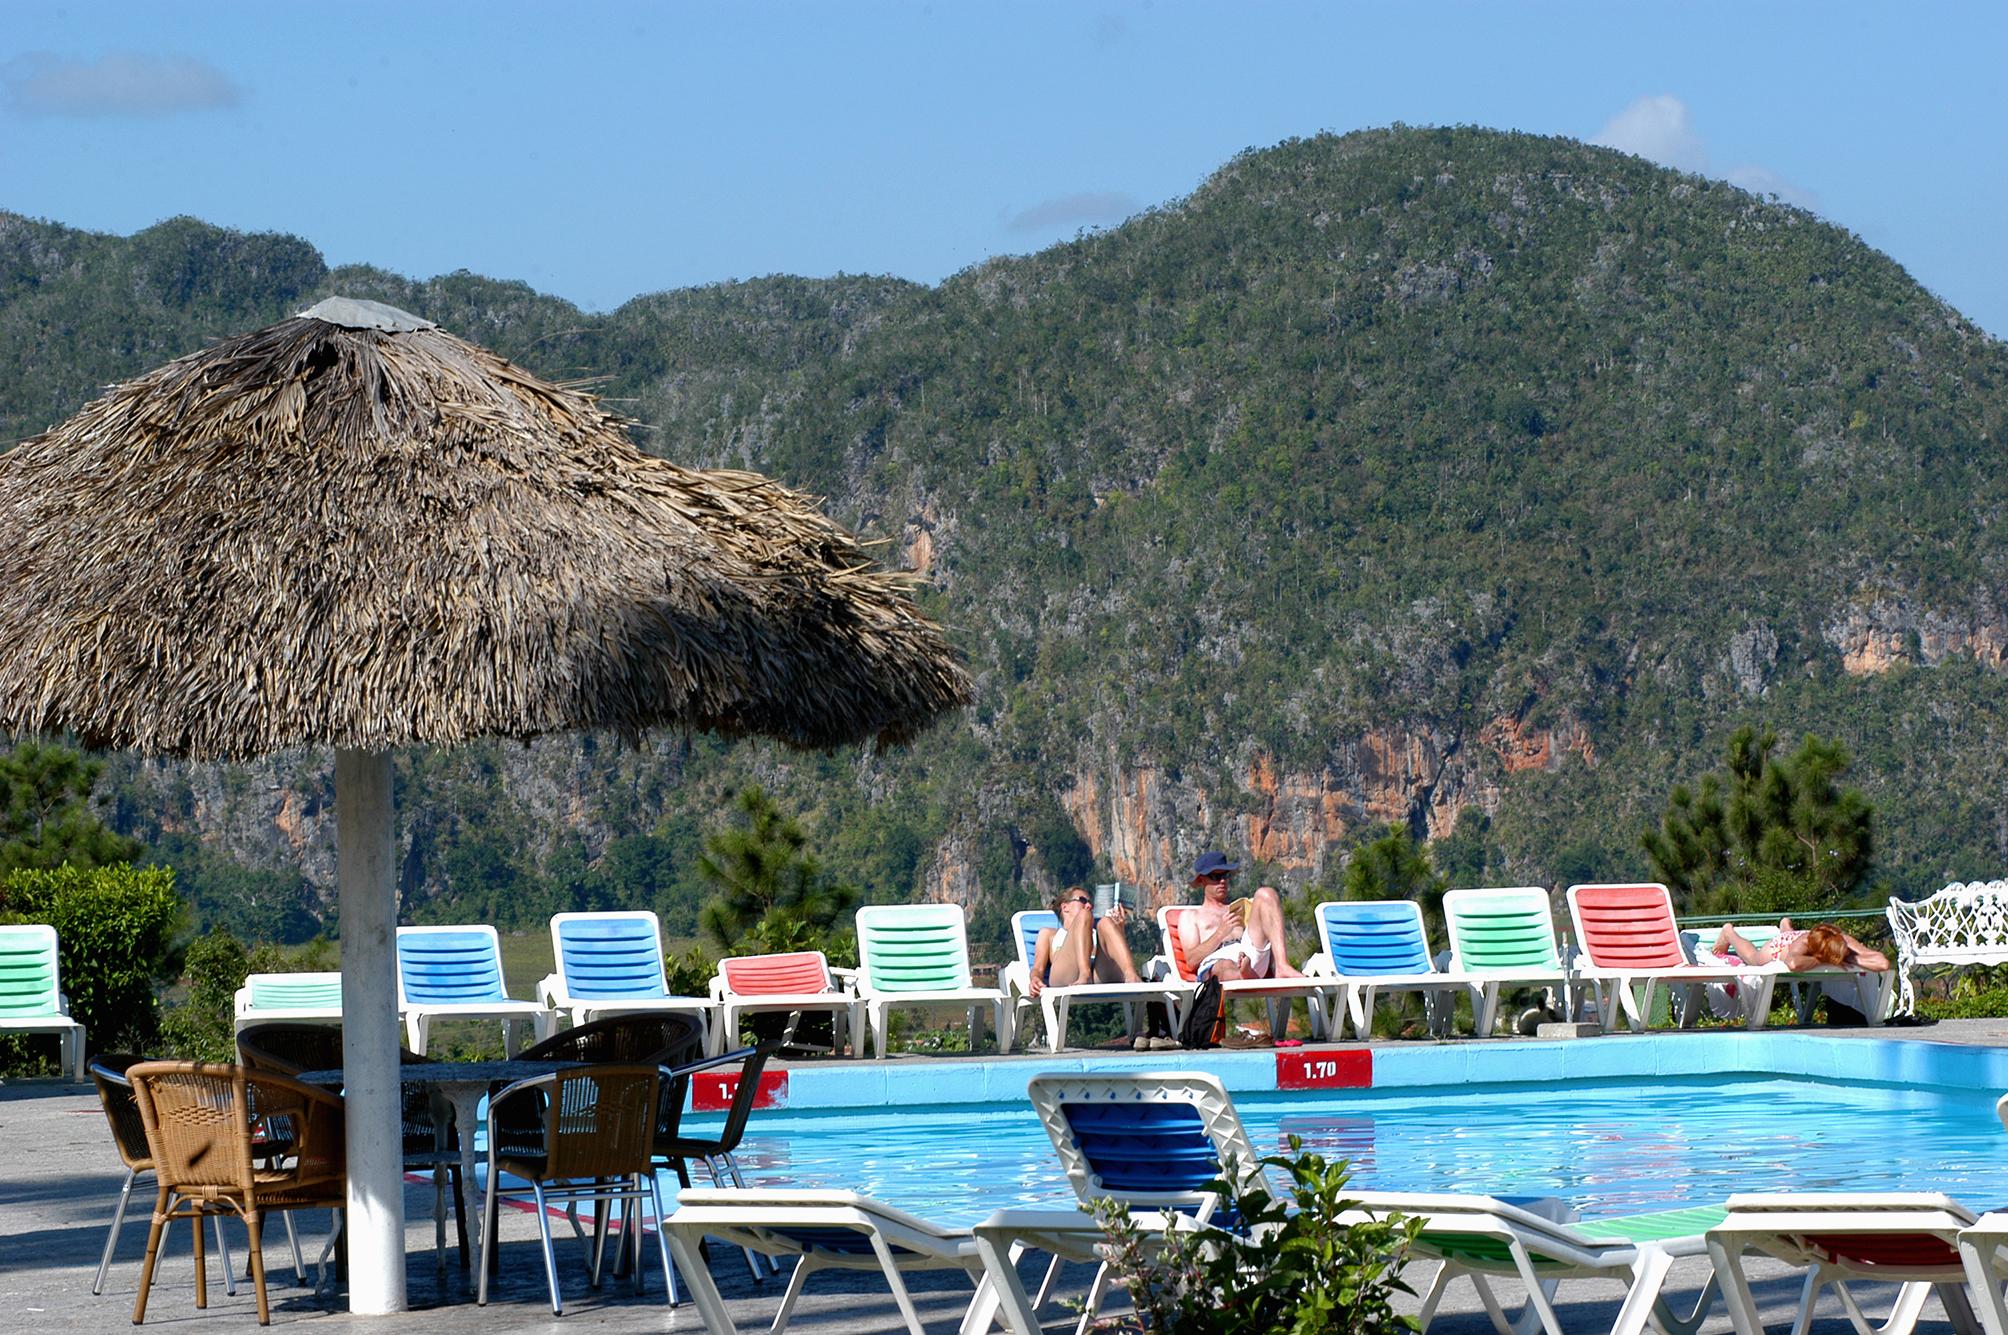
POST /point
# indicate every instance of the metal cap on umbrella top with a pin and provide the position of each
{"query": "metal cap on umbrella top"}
(353, 529)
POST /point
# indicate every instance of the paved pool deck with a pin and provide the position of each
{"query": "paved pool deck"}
(59, 1180)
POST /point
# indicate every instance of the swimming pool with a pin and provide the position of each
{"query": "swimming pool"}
(1868, 1115)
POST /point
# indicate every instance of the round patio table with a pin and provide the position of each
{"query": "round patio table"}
(459, 1087)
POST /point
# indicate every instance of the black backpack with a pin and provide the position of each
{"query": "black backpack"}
(1205, 1016)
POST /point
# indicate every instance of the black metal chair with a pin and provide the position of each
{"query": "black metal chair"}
(129, 1134)
(674, 1148)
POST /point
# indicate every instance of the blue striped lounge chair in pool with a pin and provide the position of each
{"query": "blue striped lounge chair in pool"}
(455, 973)
(1377, 947)
(1053, 1003)
(31, 991)
(309, 996)
(1911, 1238)
(918, 955)
(611, 964)
(1503, 938)
(822, 1230)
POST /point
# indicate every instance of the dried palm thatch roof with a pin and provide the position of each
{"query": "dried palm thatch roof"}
(362, 531)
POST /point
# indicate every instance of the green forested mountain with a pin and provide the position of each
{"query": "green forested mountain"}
(1479, 481)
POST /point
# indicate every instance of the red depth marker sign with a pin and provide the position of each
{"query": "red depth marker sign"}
(712, 1091)
(1325, 1070)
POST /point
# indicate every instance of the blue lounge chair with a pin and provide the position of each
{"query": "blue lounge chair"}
(1054, 1002)
(611, 964)
(455, 973)
(1376, 947)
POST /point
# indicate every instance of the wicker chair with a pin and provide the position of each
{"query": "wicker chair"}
(129, 1134)
(199, 1122)
(651, 1038)
(598, 1125)
(292, 1047)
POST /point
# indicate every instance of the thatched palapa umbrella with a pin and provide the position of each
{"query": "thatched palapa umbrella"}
(353, 529)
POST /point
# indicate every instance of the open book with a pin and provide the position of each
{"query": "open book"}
(1108, 896)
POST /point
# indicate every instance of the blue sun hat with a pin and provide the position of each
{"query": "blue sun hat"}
(1211, 862)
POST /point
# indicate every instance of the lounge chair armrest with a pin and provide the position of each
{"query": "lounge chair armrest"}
(1015, 979)
(845, 979)
(549, 989)
(1320, 966)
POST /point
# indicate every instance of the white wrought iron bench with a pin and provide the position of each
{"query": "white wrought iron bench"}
(1965, 923)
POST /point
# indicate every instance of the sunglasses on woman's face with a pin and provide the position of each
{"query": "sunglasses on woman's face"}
(1080, 901)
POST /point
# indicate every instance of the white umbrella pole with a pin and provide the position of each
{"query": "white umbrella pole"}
(364, 862)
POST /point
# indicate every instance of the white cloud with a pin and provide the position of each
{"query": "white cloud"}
(1088, 208)
(1659, 129)
(122, 83)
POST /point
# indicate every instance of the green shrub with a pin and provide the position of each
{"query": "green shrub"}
(202, 1027)
(1302, 1270)
(115, 929)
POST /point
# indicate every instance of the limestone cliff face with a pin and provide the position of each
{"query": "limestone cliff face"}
(1881, 634)
(1149, 823)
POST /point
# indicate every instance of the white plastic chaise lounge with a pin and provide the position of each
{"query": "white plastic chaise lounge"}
(1911, 1238)
(455, 973)
(1504, 937)
(1874, 992)
(823, 1230)
(611, 964)
(1154, 1141)
(1375, 948)
(918, 955)
(312, 997)
(1483, 1238)
(790, 983)
(1054, 1002)
(1276, 993)
(1631, 945)
(31, 991)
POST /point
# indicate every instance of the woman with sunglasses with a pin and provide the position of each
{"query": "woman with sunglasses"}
(1086, 949)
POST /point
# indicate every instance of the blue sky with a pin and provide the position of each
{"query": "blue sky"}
(599, 151)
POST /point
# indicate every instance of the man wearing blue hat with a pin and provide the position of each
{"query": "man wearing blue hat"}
(1238, 939)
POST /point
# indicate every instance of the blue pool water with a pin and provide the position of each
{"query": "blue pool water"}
(1607, 1146)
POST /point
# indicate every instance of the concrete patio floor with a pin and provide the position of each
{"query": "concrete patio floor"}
(59, 1181)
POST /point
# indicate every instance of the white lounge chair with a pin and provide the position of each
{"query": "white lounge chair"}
(1483, 1238)
(918, 955)
(1054, 1002)
(1277, 993)
(611, 964)
(31, 991)
(314, 997)
(1377, 947)
(1873, 992)
(787, 984)
(1504, 937)
(1631, 945)
(1983, 1248)
(455, 973)
(823, 1230)
(1911, 1238)
(1154, 1141)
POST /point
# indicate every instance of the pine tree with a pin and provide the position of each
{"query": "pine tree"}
(46, 819)
(1765, 834)
(771, 891)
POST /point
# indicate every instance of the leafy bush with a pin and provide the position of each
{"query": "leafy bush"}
(115, 929)
(1304, 1270)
